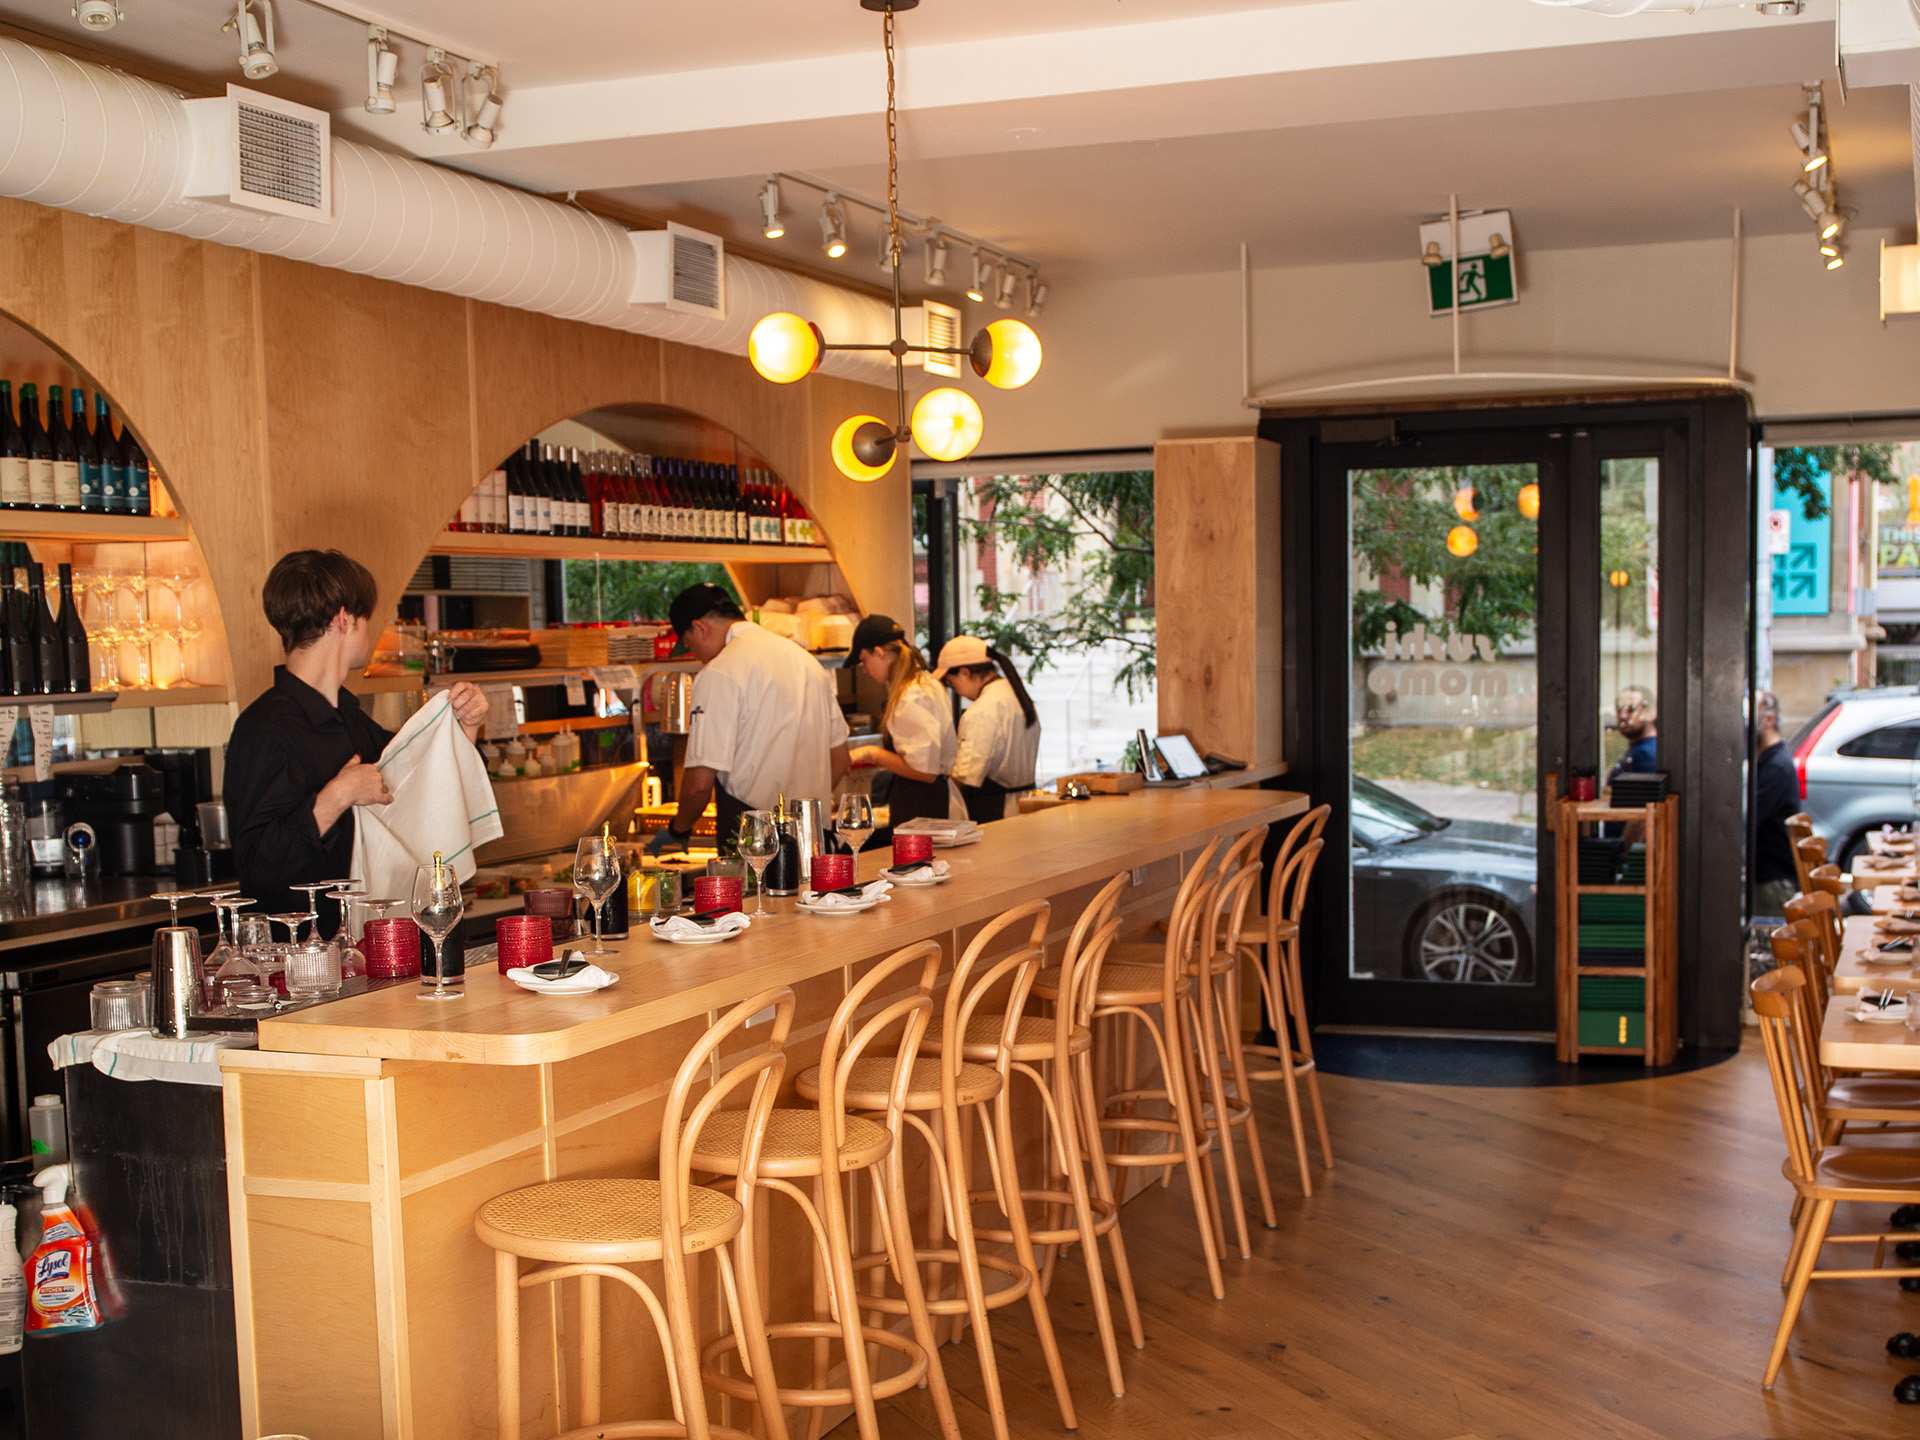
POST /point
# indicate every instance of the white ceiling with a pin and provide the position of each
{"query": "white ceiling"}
(1113, 136)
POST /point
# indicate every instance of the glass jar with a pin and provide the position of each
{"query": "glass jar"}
(120, 1005)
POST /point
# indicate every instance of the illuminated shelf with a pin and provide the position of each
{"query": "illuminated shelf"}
(81, 528)
(386, 684)
(573, 547)
(176, 695)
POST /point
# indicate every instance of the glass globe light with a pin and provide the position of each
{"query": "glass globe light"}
(947, 424)
(784, 348)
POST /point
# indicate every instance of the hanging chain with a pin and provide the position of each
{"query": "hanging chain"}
(893, 154)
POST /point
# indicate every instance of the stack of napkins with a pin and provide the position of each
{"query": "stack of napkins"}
(944, 832)
(685, 927)
(834, 900)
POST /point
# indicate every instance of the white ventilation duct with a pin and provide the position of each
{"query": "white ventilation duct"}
(1684, 7)
(79, 136)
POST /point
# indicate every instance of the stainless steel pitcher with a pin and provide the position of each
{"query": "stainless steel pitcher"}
(809, 820)
(675, 703)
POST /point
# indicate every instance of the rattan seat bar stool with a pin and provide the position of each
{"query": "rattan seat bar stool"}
(822, 1145)
(1055, 1055)
(948, 1091)
(594, 1229)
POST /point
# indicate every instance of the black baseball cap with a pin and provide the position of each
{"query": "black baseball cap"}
(696, 602)
(872, 633)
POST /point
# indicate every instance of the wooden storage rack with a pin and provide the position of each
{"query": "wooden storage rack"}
(1659, 971)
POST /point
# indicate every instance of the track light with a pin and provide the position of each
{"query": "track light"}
(982, 274)
(435, 116)
(1835, 262)
(482, 110)
(1831, 224)
(833, 227)
(98, 15)
(1817, 159)
(883, 254)
(383, 64)
(1009, 282)
(771, 225)
(1037, 290)
(1811, 200)
(256, 42)
(936, 261)
(1829, 249)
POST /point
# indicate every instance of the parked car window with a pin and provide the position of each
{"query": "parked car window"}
(1381, 817)
(1889, 742)
(1809, 725)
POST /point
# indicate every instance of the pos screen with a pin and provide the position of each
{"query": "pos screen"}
(1182, 758)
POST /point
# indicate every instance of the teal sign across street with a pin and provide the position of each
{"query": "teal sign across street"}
(1801, 575)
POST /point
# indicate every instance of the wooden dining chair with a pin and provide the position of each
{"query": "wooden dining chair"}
(595, 1229)
(1284, 991)
(1822, 1175)
(1828, 879)
(1842, 1097)
(1799, 827)
(825, 1147)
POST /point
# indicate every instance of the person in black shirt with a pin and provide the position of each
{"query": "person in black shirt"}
(1776, 795)
(304, 754)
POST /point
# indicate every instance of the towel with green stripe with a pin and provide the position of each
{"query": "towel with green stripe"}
(442, 800)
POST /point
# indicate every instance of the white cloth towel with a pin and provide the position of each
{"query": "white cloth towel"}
(681, 927)
(593, 975)
(442, 800)
(828, 900)
(917, 874)
(142, 1055)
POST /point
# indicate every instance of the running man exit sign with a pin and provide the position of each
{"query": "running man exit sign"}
(1488, 270)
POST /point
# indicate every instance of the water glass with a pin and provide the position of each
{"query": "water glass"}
(596, 872)
(853, 823)
(313, 970)
(1913, 1011)
(120, 1005)
(437, 908)
(759, 843)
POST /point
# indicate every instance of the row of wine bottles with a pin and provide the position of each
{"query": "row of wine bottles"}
(552, 490)
(39, 654)
(65, 464)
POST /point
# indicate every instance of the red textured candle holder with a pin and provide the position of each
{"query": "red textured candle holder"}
(830, 872)
(392, 947)
(523, 940)
(907, 849)
(717, 894)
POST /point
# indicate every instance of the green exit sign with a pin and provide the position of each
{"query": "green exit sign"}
(1484, 280)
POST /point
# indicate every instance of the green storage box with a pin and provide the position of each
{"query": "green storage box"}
(1613, 1012)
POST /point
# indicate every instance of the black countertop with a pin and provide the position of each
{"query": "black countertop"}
(63, 909)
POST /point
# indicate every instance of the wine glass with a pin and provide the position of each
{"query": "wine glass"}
(759, 843)
(293, 920)
(224, 900)
(313, 892)
(353, 959)
(437, 908)
(853, 823)
(596, 874)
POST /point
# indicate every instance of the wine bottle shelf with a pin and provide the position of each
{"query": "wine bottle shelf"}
(96, 701)
(85, 529)
(573, 547)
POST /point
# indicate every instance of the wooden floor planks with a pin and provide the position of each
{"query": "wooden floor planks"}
(1594, 1263)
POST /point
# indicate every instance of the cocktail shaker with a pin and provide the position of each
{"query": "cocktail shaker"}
(810, 830)
(176, 978)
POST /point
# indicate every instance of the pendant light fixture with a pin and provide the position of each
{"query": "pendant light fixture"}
(946, 423)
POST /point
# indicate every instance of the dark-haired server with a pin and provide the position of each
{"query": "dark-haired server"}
(304, 754)
(999, 729)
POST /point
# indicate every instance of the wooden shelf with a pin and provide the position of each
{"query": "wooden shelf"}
(566, 547)
(1612, 1050)
(176, 695)
(1638, 971)
(88, 529)
(387, 684)
(575, 722)
(1611, 890)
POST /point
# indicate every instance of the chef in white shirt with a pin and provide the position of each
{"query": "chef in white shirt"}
(999, 730)
(917, 724)
(765, 720)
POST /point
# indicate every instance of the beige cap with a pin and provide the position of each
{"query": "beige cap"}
(960, 652)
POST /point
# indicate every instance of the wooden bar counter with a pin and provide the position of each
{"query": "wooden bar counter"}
(363, 1134)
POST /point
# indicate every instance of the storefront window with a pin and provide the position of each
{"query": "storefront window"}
(630, 589)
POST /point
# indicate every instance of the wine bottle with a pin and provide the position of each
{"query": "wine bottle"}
(13, 455)
(39, 450)
(138, 499)
(73, 638)
(93, 474)
(66, 459)
(49, 659)
(113, 470)
(22, 671)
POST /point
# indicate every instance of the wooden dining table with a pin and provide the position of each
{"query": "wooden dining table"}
(1885, 870)
(1850, 1044)
(1854, 972)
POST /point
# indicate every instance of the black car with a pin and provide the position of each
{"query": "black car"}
(1438, 899)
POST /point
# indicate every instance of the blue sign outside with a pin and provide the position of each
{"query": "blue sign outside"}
(1800, 577)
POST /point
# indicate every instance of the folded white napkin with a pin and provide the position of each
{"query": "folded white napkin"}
(828, 900)
(907, 876)
(680, 927)
(593, 975)
(442, 800)
(1894, 925)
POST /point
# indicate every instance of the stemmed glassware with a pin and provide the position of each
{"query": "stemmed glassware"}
(596, 874)
(223, 899)
(251, 938)
(353, 960)
(313, 891)
(293, 920)
(853, 823)
(437, 908)
(759, 843)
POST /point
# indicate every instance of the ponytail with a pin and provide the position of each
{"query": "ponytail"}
(1012, 677)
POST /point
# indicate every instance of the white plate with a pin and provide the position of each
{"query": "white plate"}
(1873, 1015)
(920, 878)
(1876, 957)
(570, 987)
(716, 938)
(859, 909)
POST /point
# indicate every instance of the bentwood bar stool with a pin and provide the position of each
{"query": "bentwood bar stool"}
(593, 1230)
(822, 1146)
(957, 1093)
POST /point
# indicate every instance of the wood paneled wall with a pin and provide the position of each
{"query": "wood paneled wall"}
(1217, 601)
(292, 406)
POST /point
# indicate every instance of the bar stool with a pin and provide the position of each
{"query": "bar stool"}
(1056, 1055)
(593, 1229)
(828, 1141)
(1125, 996)
(959, 1091)
(1285, 994)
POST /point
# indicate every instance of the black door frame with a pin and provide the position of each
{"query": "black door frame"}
(1706, 564)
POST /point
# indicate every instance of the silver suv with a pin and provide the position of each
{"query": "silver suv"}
(1859, 763)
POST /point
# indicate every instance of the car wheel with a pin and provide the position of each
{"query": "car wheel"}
(1468, 938)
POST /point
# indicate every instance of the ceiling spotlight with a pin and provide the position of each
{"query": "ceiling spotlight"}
(833, 227)
(1817, 159)
(256, 44)
(884, 253)
(1831, 224)
(1835, 262)
(1431, 257)
(1829, 249)
(982, 274)
(936, 260)
(1811, 200)
(98, 14)
(435, 116)
(1498, 247)
(1037, 290)
(482, 110)
(1009, 282)
(383, 64)
(771, 225)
